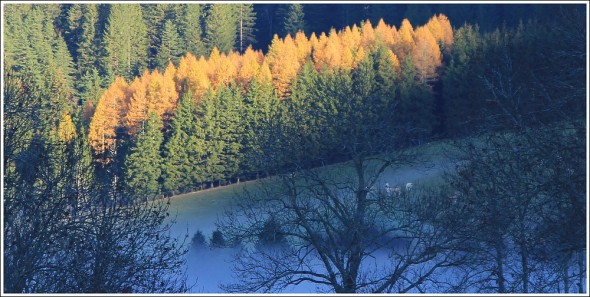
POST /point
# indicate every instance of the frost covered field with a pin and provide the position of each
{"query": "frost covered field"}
(209, 267)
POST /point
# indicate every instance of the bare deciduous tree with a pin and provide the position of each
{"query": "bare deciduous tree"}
(343, 234)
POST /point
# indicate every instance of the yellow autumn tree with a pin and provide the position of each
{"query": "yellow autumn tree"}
(426, 55)
(313, 40)
(169, 91)
(447, 33)
(334, 51)
(191, 76)
(264, 74)
(161, 94)
(66, 130)
(107, 117)
(319, 54)
(435, 29)
(303, 47)
(405, 44)
(137, 104)
(347, 58)
(367, 34)
(360, 55)
(220, 70)
(249, 67)
(384, 34)
(351, 38)
(283, 63)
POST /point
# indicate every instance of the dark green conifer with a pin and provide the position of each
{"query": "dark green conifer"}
(182, 169)
(220, 27)
(126, 41)
(189, 25)
(170, 49)
(143, 165)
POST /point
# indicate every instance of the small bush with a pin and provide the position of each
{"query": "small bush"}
(217, 239)
(198, 240)
(271, 233)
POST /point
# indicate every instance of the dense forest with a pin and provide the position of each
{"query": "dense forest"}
(111, 105)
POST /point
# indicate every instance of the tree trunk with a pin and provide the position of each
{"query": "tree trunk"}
(500, 267)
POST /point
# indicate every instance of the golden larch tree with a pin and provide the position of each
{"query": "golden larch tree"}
(435, 29)
(351, 38)
(360, 55)
(384, 34)
(319, 54)
(367, 34)
(161, 94)
(303, 47)
(405, 44)
(107, 117)
(333, 51)
(169, 91)
(249, 67)
(426, 55)
(220, 70)
(191, 76)
(447, 33)
(313, 40)
(137, 104)
(283, 63)
(264, 74)
(66, 130)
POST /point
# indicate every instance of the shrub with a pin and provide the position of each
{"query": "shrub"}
(198, 240)
(217, 239)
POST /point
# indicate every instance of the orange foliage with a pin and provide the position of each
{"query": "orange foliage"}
(447, 33)
(434, 26)
(351, 38)
(161, 94)
(360, 55)
(221, 71)
(426, 55)
(264, 74)
(66, 130)
(405, 44)
(128, 105)
(192, 75)
(283, 63)
(249, 67)
(138, 104)
(367, 34)
(109, 110)
(385, 34)
(303, 47)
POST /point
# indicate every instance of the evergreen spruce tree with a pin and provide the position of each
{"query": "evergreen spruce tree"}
(126, 41)
(190, 28)
(73, 29)
(143, 165)
(184, 150)
(415, 103)
(294, 20)
(86, 53)
(208, 114)
(230, 111)
(220, 27)
(170, 49)
(259, 121)
(154, 15)
(246, 24)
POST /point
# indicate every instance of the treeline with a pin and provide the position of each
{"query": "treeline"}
(105, 41)
(218, 114)
(105, 89)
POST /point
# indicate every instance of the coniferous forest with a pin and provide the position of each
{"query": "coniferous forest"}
(111, 109)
